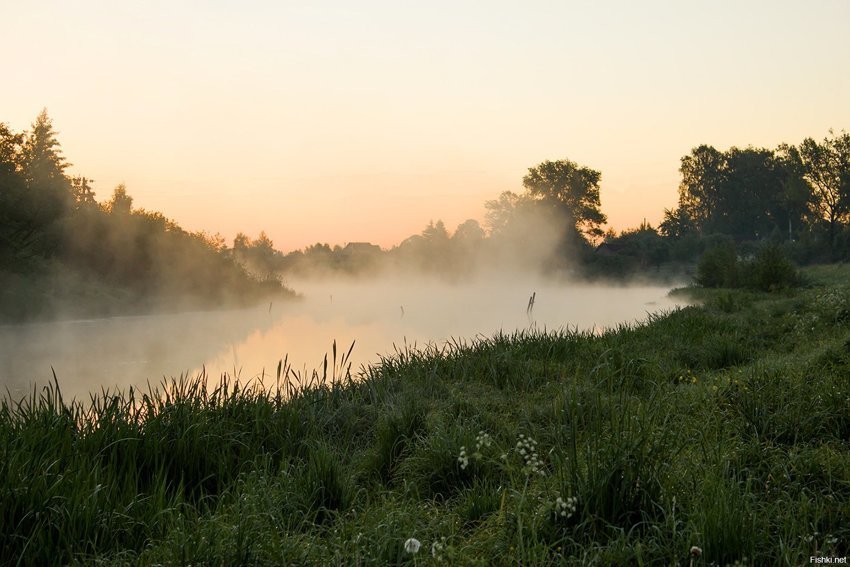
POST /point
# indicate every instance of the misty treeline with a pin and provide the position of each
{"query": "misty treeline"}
(792, 202)
(63, 252)
(554, 221)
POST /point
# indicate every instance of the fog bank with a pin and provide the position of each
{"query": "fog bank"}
(377, 315)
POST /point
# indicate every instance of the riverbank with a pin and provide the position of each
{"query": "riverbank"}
(57, 292)
(721, 429)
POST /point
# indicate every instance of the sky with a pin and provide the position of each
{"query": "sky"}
(338, 121)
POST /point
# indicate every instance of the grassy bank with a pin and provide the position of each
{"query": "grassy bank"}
(724, 427)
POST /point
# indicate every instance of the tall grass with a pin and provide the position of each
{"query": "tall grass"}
(723, 427)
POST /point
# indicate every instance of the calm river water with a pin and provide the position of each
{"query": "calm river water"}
(90, 355)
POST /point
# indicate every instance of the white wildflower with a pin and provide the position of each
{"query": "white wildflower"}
(482, 440)
(527, 448)
(565, 508)
(463, 459)
(412, 545)
(437, 548)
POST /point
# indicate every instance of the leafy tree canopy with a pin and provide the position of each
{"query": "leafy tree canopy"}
(573, 188)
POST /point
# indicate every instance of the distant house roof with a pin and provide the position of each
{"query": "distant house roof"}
(358, 247)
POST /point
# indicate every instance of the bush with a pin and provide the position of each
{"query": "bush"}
(771, 270)
(718, 266)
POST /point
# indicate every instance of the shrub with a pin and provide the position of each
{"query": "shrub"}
(771, 270)
(718, 266)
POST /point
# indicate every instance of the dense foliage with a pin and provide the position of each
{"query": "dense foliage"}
(53, 230)
(62, 252)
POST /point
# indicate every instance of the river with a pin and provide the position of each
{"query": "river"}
(377, 316)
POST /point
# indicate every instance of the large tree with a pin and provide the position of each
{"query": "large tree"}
(751, 203)
(18, 234)
(571, 188)
(826, 167)
(702, 176)
(43, 168)
(35, 193)
(42, 156)
(747, 193)
(10, 150)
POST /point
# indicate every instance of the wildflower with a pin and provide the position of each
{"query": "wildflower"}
(412, 545)
(482, 440)
(565, 508)
(527, 448)
(437, 548)
(463, 459)
(696, 551)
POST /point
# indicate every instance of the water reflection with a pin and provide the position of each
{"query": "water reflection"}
(88, 355)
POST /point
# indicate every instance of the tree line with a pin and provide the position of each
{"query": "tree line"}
(59, 244)
(796, 198)
(62, 251)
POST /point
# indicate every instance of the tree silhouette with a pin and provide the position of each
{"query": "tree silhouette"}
(826, 167)
(42, 155)
(571, 188)
(700, 188)
(82, 191)
(121, 202)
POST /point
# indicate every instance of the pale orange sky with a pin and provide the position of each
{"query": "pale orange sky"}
(339, 121)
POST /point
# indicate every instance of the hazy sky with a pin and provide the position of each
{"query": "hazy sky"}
(346, 121)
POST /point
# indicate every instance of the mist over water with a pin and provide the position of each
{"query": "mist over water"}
(377, 315)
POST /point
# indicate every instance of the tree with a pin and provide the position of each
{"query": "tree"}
(10, 150)
(264, 255)
(826, 167)
(469, 232)
(121, 202)
(34, 191)
(43, 162)
(797, 198)
(43, 169)
(572, 189)
(257, 256)
(82, 191)
(241, 242)
(18, 234)
(750, 201)
(436, 233)
(699, 190)
(501, 211)
(643, 244)
(677, 223)
(433, 249)
(742, 192)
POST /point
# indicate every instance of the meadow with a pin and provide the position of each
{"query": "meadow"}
(715, 434)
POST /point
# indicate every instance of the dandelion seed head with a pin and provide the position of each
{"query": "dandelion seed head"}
(412, 545)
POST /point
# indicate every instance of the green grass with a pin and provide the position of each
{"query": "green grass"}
(724, 426)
